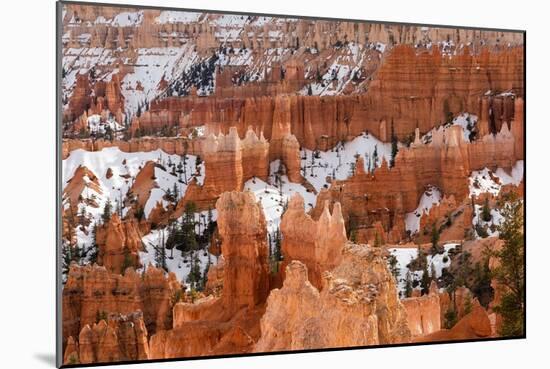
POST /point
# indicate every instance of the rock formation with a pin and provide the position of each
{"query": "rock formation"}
(358, 306)
(475, 325)
(423, 313)
(317, 244)
(118, 338)
(119, 242)
(92, 292)
(229, 323)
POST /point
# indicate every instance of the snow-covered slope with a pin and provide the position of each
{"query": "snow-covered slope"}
(436, 262)
(124, 168)
(482, 181)
(339, 162)
(429, 198)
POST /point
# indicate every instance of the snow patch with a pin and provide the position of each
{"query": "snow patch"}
(429, 198)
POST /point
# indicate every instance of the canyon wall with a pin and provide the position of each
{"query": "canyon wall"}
(116, 338)
(92, 292)
(446, 162)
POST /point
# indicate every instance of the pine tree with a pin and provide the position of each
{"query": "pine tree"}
(394, 268)
(394, 148)
(107, 211)
(160, 252)
(486, 211)
(309, 90)
(510, 273)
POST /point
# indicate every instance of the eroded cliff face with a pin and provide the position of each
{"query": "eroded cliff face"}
(91, 293)
(474, 325)
(358, 306)
(116, 338)
(387, 194)
(317, 244)
(231, 161)
(119, 242)
(228, 323)
(424, 313)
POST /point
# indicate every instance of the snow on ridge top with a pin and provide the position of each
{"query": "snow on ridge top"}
(124, 19)
(229, 20)
(429, 198)
(169, 16)
(482, 181)
(465, 120)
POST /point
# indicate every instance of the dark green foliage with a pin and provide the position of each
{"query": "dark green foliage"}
(100, 315)
(127, 262)
(392, 262)
(510, 272)
(486, 211)
(450, 318)
(139, 213)
(481, 284)
(107, 211)
(394, 147)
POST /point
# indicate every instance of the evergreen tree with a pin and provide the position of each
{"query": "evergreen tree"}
(450, 318)
(510, 273)
(394, 268)
(160, 252)
(107, 211)
(394, 148)
(309, 90)
(486, 211)
(93, 250)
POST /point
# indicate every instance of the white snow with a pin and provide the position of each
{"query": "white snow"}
(440, 261)
(405, 255)
(491, 226)
(465, 120)
(180, 263)
(169, 16)
(339, 161)
(343, 66)
(483, 181)
(96, 125)
(429, 198)
(151, 66)
(273, 198)
(116, 187)
(124, 19)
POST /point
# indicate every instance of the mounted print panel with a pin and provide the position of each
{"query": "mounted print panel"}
(238, 184)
